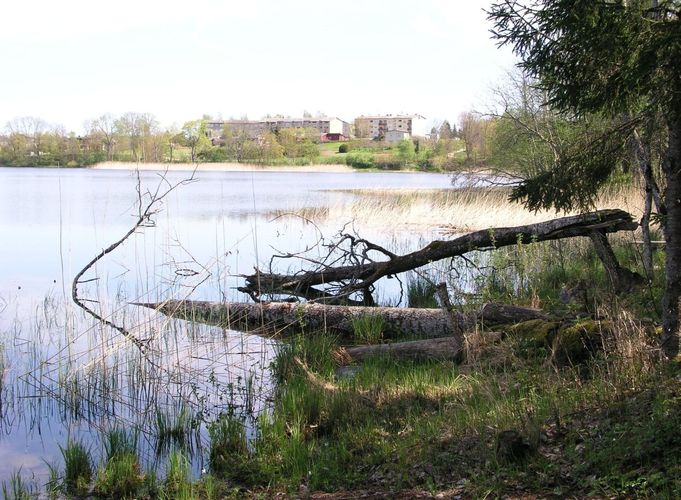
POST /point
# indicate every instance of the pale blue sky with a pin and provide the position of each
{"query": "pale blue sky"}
(74, 60)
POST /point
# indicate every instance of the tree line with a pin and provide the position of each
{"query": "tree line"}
(138, 137)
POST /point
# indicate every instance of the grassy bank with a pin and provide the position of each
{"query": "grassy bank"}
(533, 411)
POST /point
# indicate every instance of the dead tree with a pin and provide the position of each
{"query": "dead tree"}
(284, 318)
(358, 265)
(148, 205)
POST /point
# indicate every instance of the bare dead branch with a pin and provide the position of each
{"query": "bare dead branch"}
(355, 270)
(148, 206)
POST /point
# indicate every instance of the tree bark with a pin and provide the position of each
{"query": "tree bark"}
(672, 292)
(356, 278)
(442, 349)
(284, 318)
(621, 279)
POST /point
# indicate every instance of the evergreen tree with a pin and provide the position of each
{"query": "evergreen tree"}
(620, 59)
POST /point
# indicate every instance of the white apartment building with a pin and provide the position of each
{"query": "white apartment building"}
(326, 126)
(379, 126)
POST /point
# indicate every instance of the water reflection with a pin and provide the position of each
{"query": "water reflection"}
(65, 376)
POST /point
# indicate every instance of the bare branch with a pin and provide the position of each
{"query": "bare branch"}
(146, 210)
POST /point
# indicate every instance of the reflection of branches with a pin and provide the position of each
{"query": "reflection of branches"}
(148, 206)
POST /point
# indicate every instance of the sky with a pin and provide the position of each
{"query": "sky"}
(71, 61)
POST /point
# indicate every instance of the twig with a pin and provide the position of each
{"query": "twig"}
(144, 219)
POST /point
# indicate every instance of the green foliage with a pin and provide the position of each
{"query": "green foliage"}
(228, 455)
(120, 442)
(368, 329)
(360, 160)
(17, 488)
(213, 154)
(343, 148)
(121, 477)
(592, 58)
(581, 170)
(405, 151)
(634, 448)
(316, 351)
(177, 483)
(77, 468)
(173, 428)
(421, 293)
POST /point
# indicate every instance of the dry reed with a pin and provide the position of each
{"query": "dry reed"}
(452, 210)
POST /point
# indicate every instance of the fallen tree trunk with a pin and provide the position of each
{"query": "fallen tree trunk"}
(285, 318)
(441, 349)
(336, 283)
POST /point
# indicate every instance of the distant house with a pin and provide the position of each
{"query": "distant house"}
(393, 136)
(333, 136)
(378, 126)
(325, 126)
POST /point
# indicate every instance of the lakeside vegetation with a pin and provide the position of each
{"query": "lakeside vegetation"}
(137, 137)
(583, 401)
(576, 409)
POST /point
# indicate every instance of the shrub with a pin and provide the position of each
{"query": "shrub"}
(343, 148)
(359, 160)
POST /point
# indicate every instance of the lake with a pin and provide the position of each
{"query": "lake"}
(66, 376)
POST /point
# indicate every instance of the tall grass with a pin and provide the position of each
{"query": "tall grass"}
(455, 211)
(78, 470)
(16, 488)
(421, 292)
(228, 449)
(177, 484)
(367, 329)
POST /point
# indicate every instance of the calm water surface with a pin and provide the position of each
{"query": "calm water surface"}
(64, 376)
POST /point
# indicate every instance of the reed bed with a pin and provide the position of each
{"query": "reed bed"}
(452, 210)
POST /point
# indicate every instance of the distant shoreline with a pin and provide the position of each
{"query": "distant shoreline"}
(219, 167)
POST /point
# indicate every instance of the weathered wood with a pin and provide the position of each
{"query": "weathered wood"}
(443, 349)
(345, 280)
(282, 318)
(621, 279)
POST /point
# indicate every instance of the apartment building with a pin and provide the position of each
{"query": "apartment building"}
(326, 126)
(390, 127)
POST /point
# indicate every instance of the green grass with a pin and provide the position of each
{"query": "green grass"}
(120, 477)
(16, 488)
(177, 484)
(173, 429)
(604, 425)
(367, 329)
(421, 293)
(78, 469)
(228, 452)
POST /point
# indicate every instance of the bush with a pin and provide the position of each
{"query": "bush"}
(386, 161)
(213, 155)
(359, 160)
(343, 148)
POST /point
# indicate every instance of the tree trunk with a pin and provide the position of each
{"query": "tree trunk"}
(443, 349)
(285, 318)
(672, 292)
(645, 236)
(351, 279)
(621, 279)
